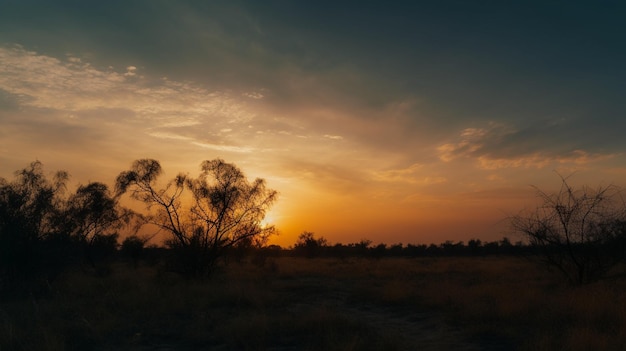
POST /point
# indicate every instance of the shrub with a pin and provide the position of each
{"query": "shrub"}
(580, 232)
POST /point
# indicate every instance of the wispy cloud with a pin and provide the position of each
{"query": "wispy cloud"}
(541, 160)
(73, 85)
(70, 91)
(500, 146)
(166, 135)
(229, 148)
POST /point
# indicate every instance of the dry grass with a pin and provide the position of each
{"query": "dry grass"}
(500, 301)
(321, 304)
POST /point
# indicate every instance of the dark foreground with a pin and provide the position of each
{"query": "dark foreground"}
(495, 303)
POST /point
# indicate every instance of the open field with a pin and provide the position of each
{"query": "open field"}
(470, 303)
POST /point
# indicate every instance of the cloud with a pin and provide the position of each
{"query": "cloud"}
(342, 179)
(501, 146)
(253, 95)
(166, 135)
(72, 92)
(542, 160)
(8, 101)
(404, 183)
(511, 194)
(229, 148)
(130, 71)
(73, 85)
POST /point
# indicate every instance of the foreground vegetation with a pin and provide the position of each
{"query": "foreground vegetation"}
(45, 229)
(284, 303)
(67, 284)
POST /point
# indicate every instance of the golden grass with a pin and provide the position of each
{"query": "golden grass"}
(318, 304)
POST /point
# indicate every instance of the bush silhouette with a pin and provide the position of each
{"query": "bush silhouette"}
(580, 232)
(29, 218)
(132, 248)
(43, 229)
(309, 246)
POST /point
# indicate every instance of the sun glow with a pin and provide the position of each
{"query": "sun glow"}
(269, 219)
(348, 160)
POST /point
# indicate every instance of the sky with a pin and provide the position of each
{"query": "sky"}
(393, 121)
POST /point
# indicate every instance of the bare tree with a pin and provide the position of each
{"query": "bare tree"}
(204, 215)
(581, 233)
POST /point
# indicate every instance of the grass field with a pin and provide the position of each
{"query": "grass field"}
(473, 303)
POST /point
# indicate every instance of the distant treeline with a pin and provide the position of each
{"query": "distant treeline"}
(312, 247)
(153, 255)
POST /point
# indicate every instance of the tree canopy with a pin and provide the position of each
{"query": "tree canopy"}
(204, 215)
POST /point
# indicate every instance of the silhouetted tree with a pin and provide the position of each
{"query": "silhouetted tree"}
(222, 209)
(379, 250)
(92, 217)
(362, 247)
(582, 233)
(29, 214)
(42, 229)
(474, 246)
(491, 247)
(433, 250)
(132, 248)
(416, 250)
(310, 246)
(396, 249)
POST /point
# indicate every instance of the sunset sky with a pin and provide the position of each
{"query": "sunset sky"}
(412, 122)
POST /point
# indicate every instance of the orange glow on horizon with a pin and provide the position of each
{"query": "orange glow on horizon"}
(346, 169)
